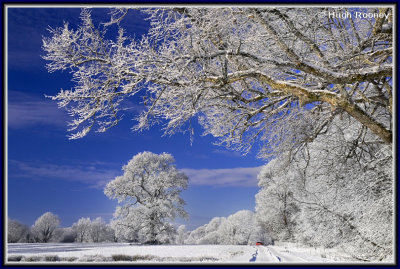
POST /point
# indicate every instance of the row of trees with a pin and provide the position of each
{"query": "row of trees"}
(149, 196)
(240, 228)
(47, 229)
(149, 199)
(95, 231)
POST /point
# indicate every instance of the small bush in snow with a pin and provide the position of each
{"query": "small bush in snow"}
(143, 257)
(94, 258)
(182, 259)
(69, 259)
(31, 259)
(51, 258)
(15, 258)
(208, 259)
(121, 257)
(236, 253)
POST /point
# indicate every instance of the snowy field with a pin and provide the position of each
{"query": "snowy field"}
(123, 252)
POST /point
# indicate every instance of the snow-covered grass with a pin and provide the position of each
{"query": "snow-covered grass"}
(123, 252)
(301, 253)
(126, 253)
(311, 254)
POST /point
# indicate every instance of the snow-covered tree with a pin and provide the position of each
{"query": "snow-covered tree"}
(16, 231)
(341, 185)
(275, 208)
(212, 232)
(64, 235)
(248, 74)
(126, 228)
(149, 197)
(181, 235)
(196, 235)
(260, 234)
(99, 231)
(45, 226)
(82, 229)
(238, 228)
(347, 188)
(96, 229)
(108, 234)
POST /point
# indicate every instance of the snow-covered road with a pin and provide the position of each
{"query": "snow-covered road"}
(263, 254)
(268, 254)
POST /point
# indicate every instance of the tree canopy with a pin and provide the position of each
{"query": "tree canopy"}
(276, 76)
(149, 197)
(45, 226)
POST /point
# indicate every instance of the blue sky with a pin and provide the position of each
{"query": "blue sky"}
(48, 172)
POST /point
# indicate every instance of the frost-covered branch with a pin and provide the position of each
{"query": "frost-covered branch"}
(227, 67)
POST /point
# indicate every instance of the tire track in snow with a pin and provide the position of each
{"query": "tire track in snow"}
(262, 254)
(254, 258)
(275, 257)
(286, 257)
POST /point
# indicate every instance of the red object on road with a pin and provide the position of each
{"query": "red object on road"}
(259, 244)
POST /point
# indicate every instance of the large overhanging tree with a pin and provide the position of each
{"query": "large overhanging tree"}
(273, 75)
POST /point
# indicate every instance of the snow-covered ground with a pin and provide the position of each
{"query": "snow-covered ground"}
(124, 252)
(295, 252)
